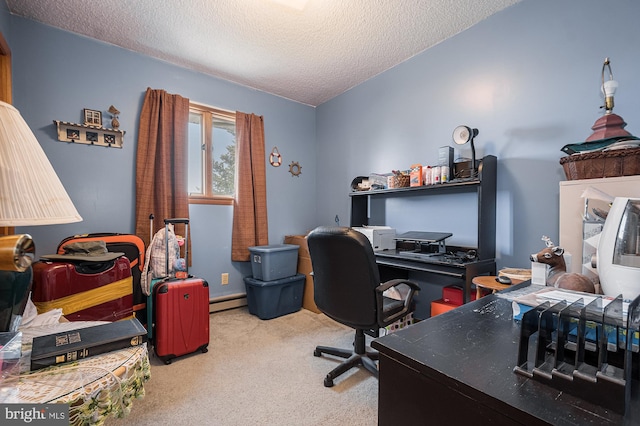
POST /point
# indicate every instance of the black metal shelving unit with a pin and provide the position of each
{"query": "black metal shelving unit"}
(484, 186)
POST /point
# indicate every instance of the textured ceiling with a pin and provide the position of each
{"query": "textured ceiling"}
(308, 55)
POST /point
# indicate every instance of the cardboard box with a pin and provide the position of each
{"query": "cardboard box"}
(445, 156)
(304, 267)
(415, 176)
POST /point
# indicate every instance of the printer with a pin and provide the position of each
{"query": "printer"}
(380, 237)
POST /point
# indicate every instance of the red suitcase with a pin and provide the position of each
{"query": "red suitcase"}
(180, 308)
(181, 317)
(133, 247)
(86, 291)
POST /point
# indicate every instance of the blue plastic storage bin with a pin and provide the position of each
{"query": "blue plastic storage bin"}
(271, 299)
(272, 262)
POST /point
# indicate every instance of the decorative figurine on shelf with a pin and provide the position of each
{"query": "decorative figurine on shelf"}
(114, 117)
(558, 276)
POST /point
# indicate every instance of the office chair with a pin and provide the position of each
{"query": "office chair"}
(347, 289)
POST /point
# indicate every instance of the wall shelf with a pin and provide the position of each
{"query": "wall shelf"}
(89, 135)
(484, 187)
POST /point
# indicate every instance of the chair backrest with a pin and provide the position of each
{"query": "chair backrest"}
(345, 275)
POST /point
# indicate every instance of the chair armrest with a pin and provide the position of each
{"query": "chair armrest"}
(407, 303)
(392, 283)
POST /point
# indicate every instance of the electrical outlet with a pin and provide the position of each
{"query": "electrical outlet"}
(224, 278)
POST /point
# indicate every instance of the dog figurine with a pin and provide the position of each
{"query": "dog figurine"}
(558, 276)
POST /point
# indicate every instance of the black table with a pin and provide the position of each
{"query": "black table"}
(457, 368)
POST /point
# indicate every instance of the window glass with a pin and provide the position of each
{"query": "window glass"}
(224, 157)
(196, 154)
(212, 152)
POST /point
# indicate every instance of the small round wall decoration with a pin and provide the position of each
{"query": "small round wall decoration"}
(275, 158)
(295, 169)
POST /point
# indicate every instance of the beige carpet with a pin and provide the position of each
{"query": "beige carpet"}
(258, 372)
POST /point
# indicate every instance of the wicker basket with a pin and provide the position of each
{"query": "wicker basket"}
(516, 273)
(601, 164)
(398, 181)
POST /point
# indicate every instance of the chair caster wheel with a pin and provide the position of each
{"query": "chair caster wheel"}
(328, 382)
(167, 362)
(317, 353)
(205, 350)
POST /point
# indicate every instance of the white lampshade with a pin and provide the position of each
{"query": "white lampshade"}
(30, 191)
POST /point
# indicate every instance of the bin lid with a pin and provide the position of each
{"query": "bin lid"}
(286, 280)
(274, 248)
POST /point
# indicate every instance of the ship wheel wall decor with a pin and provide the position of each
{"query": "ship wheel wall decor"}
(295, 169)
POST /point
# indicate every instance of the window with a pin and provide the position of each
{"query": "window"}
(212, 155)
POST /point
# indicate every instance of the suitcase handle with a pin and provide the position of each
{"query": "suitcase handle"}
(169, 221)
(178, 220)
(93, 267)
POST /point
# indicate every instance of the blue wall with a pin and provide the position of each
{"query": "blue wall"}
(57, 74)
(4, 20)
(528, 78)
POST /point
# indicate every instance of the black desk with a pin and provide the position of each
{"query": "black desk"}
(457, 368)
(464, 271)
(365, 211)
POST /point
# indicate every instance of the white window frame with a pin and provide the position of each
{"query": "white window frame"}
(208, 114)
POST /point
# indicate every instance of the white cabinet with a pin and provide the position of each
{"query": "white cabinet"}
(572, 209)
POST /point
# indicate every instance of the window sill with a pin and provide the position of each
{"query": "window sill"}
(227, 201)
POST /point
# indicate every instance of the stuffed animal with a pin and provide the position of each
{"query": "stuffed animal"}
(558, 276)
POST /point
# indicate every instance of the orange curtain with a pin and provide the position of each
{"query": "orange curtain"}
(250, 205)
(161, 170)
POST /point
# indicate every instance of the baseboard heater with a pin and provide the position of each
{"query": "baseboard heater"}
(231, 301)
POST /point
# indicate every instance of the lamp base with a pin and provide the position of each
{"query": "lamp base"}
(608, 126)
